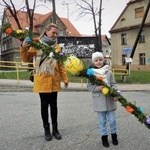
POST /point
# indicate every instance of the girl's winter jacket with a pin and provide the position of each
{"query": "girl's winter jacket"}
(45, 83)
(100, 101)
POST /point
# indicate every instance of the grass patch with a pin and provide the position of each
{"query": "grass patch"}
(135, 76)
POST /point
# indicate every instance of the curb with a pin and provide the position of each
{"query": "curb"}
(29, 88)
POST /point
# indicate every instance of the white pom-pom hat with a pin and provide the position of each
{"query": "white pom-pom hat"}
(97, 55)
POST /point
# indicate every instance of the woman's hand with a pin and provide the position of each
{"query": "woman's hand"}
(25, 43)
(66, 85)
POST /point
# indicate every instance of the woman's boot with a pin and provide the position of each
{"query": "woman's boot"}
(114, 139)
(105, 140)
(48, 136)
(56, 133)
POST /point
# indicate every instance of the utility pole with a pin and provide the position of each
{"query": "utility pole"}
(139, 33)
(68, 30)
(54, 11)
(99, 35)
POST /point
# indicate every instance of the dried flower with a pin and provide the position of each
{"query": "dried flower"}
(9, 30)
(118, 92)
(90, 72)
(19, 31)
(129, 109)
(35, 39)
(105, 90)
(99, 78)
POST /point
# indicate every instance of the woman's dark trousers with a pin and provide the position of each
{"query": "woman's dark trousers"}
(49, 99)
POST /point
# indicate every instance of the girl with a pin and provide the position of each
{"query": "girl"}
(104, 106)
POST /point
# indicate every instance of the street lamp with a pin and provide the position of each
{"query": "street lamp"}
(67, 16)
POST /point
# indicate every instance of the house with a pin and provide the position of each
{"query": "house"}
(68, 36)
(10, 46)
(124, 34)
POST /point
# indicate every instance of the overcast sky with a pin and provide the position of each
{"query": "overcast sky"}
(111, 11)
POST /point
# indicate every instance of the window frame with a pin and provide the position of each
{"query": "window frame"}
(142, 59)
(123, 39)
(139, 12)
(142, 37)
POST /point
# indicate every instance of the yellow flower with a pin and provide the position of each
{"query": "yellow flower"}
(19, 31)
(73, 65)
(105, 90)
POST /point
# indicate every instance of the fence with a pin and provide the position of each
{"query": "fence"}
(16, 65)
(21, 65)
(122, 72)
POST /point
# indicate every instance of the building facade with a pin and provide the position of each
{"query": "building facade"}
(9, 49)
(124, 34)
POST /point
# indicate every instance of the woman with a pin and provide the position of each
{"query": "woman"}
(47, 77)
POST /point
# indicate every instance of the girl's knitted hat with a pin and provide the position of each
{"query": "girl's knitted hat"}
(97, 55)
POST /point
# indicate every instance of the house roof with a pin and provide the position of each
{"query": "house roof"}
(38, 20)
(72, 30)
(103, 37)
(132, 1)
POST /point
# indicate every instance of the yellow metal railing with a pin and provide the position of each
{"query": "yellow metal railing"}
(16, 65)
(123, 72)
(20, 65)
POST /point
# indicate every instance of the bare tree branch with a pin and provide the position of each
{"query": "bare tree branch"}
(13, 12)
(30, 14)
(86, 7)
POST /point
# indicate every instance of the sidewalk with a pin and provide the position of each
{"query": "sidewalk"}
(8, 85)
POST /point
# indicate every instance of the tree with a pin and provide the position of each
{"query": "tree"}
(54, 9)
(86, 7)
(12, 9)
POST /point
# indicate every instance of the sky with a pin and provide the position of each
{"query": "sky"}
(111, 9)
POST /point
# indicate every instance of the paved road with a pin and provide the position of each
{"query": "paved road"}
(21, 126)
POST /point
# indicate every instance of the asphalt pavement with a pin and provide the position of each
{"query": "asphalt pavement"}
(21, 126)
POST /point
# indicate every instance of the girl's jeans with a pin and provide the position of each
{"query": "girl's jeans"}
(103, 117)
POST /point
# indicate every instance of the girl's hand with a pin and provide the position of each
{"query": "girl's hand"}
(115, 98)
(101, 87)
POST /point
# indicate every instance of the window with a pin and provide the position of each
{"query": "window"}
(123, 19)
(51, 20)
(7, 44)
(60, 33)
(123, 39)
(123, 60)
(139, 12)
(142, 58)
(142, 37)
(4, 46)
(10, 42)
